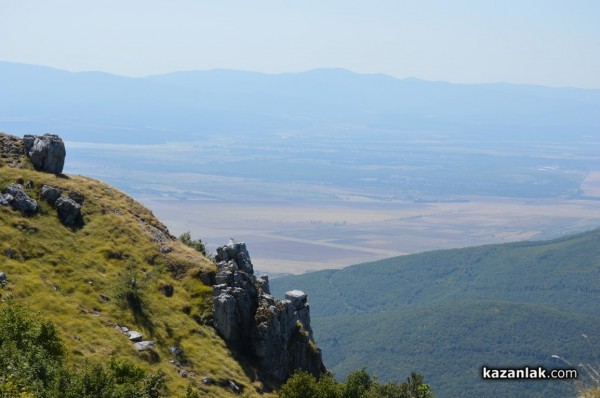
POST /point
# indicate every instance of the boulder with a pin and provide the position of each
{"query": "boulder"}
(234, 387)
(20, 200)
(50, 194)
(47, 152)
(134, 336)
(69, 212)
(144, 345)
(3, 279)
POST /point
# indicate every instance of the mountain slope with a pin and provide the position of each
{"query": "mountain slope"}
(532, 272)
(120, 268)
(447, 313)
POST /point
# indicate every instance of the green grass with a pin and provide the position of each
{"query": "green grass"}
(62, 273)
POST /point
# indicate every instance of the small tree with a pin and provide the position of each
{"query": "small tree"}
(198, 245)
(301, 385)
(357, 384)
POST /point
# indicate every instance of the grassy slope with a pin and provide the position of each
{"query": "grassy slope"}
(61, 273)
(448, 312)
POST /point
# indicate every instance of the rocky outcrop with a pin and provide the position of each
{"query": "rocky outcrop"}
(50, 194)
(69, 212)
(67, 207)
(46, 152)
(19, 200)
(276, 333)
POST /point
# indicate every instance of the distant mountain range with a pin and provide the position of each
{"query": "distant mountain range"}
(100, 107)
(447, 313)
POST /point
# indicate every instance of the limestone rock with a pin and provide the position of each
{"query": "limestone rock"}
(50, 194)
(226, 317)
(263, 283)
(297, 297)
(275, 333)
(237, 252)
(134, 336)
(208, 278)
(77, 197)
(5, 199)
(47, 152)
(234, 387)
(69, 212)
(20, 200)
(144, 345)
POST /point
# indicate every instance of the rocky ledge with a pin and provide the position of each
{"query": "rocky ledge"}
(275, 333)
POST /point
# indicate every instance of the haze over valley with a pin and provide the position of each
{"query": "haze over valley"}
(326, 168)
(339, 199)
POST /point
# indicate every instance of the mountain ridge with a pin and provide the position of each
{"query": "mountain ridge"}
(446, 313)
(92, 105)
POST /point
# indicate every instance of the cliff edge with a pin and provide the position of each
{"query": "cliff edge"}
(276, 333)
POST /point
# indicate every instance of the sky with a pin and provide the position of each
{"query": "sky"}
(545, 42)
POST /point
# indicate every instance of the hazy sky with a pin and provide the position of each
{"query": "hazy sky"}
(549, 42)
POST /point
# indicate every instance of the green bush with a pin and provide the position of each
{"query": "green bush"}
(130, 293)
(198, 245)
(32, 365)
(359, 384)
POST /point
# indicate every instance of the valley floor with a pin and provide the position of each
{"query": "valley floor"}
(300, 237)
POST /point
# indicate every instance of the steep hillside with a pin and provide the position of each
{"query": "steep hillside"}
(118, 267)
(447, 313)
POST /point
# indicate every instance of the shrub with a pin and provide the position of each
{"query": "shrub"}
(197, 245)
(359, 384)
(31, 365)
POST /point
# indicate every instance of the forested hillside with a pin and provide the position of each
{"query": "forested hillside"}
(447, 313)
